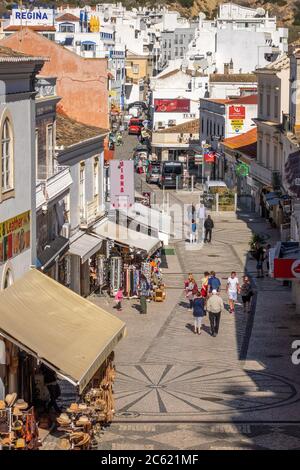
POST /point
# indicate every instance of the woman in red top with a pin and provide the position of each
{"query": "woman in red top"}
(191, 289)
(204, 284)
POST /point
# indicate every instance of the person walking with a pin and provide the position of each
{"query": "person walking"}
(214, 306)
(193, 231)
(198, 312)
(204, 285)
(260, 256)
(208, 226)
(214, 283)
(144, 293)
(232, 288)
(118, 299)
(247, 293)
(191, 289)
(50, 380)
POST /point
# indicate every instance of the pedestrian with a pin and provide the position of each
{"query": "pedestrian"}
(233, 288)
(260, 256)
(214, 306)
(193, 231)
(204, 284)
(198, 312)
(214, 283)
(50, 380)
(267, 258)
(144, 293)
(247, 293)
(118, 299)
(208, 225)
(140, 166)
(191, 289)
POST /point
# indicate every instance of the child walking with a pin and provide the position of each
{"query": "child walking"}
(118, 299)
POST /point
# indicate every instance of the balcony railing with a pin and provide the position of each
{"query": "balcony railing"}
(90, 213)
(261, 173)
(55, 185)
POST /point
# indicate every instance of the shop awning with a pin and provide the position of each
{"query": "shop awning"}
(65, 331)
(85, 246)
(149, 217)
(128, 237)
(51, 252)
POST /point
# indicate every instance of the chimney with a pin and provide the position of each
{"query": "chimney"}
(226, 69)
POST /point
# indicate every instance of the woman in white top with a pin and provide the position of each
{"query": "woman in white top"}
(233, 288)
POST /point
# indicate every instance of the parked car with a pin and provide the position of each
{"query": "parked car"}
(135, 126)
(169, 173)
(153, 173)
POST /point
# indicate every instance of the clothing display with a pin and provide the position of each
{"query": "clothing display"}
(115, 273)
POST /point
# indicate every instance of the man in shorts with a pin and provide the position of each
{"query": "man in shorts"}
(233, 288)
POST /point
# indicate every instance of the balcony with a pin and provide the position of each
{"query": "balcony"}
(58, 183)
(90, 213)
(262, 174)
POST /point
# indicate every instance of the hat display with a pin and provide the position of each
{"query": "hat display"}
(17, 411)
(21, 404)
(17, 425)
(63, 419)
(82, 406)
(2, 405)
(10, 399)
(82, 421)
(73, 408)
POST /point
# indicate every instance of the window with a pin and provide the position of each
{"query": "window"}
(260, 159)
(176, 38)
(176, 51)
(268, 105)
(67, 208)
(37, 154)
(202, 125)
(82, 190)
(96, 177)
(66, 28)
(135, 68)
(6, 157)
(276, 106)
(276, 163)
(50, 148)
(87, 47)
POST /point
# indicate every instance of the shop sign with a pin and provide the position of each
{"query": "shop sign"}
(198, 159)
(237, 124)
(172, 106)
(237, 112)
(37, 16)
(210, 157)
(286, 268)
(242, 169)
(121, 184)
(14, 236)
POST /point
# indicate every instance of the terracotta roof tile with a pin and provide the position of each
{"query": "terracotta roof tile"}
(70, 132)
(67, 17)
(245, 143)
(250, 99)
(38, 28)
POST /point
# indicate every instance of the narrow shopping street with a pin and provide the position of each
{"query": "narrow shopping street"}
(176, 389)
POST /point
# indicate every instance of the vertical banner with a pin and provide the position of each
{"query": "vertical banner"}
(121, 184)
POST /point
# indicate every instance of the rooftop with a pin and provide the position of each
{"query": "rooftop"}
(70, 132)
(281, 63)
(38, 28)
(244, 143)
(233, 77)
(67, 17)
(190, 127)
(250, 99)
(9, 55)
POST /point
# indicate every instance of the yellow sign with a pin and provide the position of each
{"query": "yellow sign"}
(237, 124)
(14, 236)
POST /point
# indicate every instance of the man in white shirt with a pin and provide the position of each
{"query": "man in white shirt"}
(233, 288)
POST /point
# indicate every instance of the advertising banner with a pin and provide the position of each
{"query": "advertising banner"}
(172, 106)
(14, 236)
(237, 112)
(37, 16)
(210, 157)
(121, 184)
(285, 268)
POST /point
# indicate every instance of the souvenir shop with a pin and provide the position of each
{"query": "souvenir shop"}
(51, 333)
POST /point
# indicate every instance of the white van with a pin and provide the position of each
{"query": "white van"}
(214, 186)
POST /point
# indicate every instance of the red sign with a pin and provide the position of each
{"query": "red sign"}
(286, 268)
(172, 106)
(237, 111)
(210, 157)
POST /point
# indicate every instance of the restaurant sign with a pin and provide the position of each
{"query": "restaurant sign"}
(14, 236)
(121, 184)
(172, 106)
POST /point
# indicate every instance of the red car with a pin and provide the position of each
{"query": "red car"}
(135, 126)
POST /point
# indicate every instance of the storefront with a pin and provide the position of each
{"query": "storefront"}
(128, 254)
(87, 258)
(52, 325)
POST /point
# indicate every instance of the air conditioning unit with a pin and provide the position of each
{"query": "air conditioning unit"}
(65, 230)
(172, 122)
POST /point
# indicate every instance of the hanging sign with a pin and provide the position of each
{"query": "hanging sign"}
(121, 184)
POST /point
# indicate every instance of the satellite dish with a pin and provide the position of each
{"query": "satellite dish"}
(260, 11)
(202, 15)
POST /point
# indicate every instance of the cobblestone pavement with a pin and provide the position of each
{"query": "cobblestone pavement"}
(177, 390)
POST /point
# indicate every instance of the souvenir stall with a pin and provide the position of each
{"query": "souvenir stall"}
(18, 426)
(81, 423)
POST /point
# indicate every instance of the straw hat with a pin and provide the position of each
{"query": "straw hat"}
(20, 443)
(17, 411)
(10, 399)
(73, 408)
(17, 425)
(83, 420)
(63, 419)
(64, 444)
(2, 405)
(21, 404)
(82, 406)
